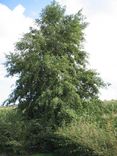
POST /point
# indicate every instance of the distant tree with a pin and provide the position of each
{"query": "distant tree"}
(51, 65)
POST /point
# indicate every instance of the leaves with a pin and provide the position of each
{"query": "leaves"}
(51, 66)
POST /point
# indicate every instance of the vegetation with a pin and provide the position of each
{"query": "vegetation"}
(58, 110)
(51, 65)
(43, 154)
(12, 131)
(94, 132)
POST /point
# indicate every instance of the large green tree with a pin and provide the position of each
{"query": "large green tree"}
(51, 65)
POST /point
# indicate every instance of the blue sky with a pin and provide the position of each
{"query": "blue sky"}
(32, 7)
(101, 36)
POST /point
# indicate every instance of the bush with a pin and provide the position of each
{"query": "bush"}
(88, 139)
(93, 132)
(12, 131)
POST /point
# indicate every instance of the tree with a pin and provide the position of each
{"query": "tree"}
(51, 65)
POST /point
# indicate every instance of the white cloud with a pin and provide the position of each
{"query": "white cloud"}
(101, 44)
(72, 6)
(101, 38)
(13, 24)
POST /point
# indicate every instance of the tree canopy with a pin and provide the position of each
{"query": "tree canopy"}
(51, 65)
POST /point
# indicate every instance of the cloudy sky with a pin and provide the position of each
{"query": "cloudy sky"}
(101, 35)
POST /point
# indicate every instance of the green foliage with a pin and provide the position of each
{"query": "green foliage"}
(50, 63)
(56, 93)
(93, 132)
(43, 154)
(12, 131)
(37, 136)
(84, 138)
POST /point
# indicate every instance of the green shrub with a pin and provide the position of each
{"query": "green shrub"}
(93, 132)
(89, 138)
(12, 131)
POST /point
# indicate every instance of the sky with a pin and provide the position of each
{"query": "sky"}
(101, 36)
